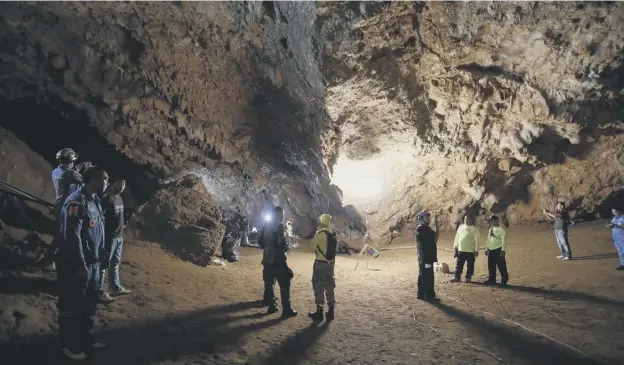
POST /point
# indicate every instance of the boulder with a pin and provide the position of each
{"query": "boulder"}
(184, 218)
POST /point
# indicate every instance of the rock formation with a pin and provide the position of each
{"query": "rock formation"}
(486, 107)
(184, 218)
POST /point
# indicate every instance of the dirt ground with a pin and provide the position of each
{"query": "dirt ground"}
(180, 313)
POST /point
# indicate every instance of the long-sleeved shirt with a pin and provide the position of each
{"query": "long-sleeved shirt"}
(617, 231)
(467, 239)
(82, 229)
(496, 239)
(426, 244)
(272, 239)
(320, 245)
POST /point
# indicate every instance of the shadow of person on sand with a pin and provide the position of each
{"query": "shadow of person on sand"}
(293, 350)
(597, 257)
(510, 343)
(558, 294)
(203, 332)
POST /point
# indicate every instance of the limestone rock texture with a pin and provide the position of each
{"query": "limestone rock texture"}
(185, 219)
(226, 90)
(484, 107)
(370, 111)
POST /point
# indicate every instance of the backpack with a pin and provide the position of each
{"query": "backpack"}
(332, 245)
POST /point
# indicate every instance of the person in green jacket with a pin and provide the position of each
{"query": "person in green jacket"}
(495, 251)
(466, 248)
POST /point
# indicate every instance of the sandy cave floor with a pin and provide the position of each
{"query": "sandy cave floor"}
(184, 314)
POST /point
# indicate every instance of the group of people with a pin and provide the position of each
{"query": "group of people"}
(88, 244)
(561, 221)
(274, 242)
(466, 250)
(466, 247)
(90, 240)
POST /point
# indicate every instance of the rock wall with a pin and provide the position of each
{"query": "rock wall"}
(227, 90)
(486, 107)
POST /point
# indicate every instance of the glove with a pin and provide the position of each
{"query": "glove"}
(456, 252)
(486, 252)
(476, 254)
(502, 254)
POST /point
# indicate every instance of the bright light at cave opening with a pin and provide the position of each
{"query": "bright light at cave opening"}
(268, 217)
(360, 181)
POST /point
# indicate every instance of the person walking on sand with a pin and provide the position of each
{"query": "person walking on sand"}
(561, 221)
(617, 232)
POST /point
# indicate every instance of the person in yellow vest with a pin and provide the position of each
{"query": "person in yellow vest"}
(466, 248)
(495, 251)
(323, 282)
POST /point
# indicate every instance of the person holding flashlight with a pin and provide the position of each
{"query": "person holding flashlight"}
(272, 239)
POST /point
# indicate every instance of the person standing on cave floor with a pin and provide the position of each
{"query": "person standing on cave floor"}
(65, 179)
(561, 221)
(78, 265)
(426, 245)
(466, 248)
(495, 249)
(324, 245)
(617, 232)
(272, 239)
(114, 223)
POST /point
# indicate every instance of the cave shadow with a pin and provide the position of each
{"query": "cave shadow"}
(13, 282)
(519, 345)
(203, 332)
(47, 128)
(39, 219)
(293, 350)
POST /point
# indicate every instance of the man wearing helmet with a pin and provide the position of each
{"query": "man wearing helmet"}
(323, 282)
(426, 244)
(65, 179)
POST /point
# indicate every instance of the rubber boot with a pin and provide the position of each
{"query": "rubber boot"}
(318, 315)
(289, 312)
(330, 313)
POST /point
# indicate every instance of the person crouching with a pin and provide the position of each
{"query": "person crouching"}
(324, 246)
(426, 244)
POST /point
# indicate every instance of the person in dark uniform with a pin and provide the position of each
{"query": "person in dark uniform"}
(114, 223)
(426, 244)
(273, 241)
(78, 264)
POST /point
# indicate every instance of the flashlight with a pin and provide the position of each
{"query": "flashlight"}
(267, 217)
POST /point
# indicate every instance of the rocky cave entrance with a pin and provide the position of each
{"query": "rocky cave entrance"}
(47, 128)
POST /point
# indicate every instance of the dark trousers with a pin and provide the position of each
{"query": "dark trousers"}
(425, 281)
(496, 260)
(77, 302)
(281, 273)
(462, 258)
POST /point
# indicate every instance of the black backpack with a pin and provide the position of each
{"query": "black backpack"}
(332, 245)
